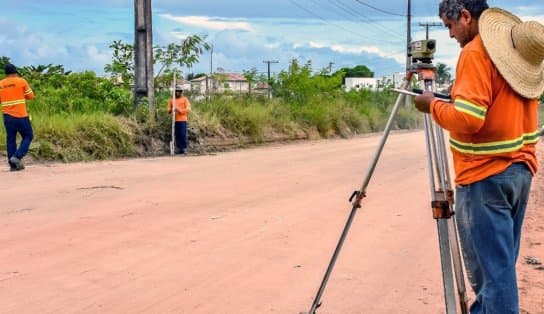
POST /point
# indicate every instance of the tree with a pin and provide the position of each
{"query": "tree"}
(357, 71)
(123, 62)
(443, 73)
(251, 76)
(298, 84)
(184, 55)
(192, 76)
(3, 61)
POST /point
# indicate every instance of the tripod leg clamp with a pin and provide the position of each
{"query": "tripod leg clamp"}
(441, 209)
(358, 196)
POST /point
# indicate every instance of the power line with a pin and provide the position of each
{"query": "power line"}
(325, 21)
(380, 10)
(363, 18)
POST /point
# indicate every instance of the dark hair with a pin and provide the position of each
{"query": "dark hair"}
(452, 8)
(10, 69)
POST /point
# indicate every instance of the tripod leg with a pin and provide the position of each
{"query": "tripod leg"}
(447, 271)
(442, 224)
(447, 231)
(452, 226)
(458, 266)
(359, 195)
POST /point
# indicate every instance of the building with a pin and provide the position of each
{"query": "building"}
(357, 83)
(394, 80)
(220, 83)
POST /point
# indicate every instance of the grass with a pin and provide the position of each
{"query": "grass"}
(83, 128)
(79, 137)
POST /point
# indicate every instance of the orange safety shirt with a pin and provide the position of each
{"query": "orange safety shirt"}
(490, 125)
(183, 106)
(14, 91)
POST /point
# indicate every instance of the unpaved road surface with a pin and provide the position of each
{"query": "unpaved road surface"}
(244, 232)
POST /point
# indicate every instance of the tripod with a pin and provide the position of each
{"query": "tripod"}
(441, 194)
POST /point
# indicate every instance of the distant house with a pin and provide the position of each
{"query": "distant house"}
(394, 80)
(261, 88)
(357, 83)
(221, 83)
(185, 85)
(199, 85)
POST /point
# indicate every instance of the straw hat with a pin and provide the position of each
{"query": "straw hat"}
(516, 48)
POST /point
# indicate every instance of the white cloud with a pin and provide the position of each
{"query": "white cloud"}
(179, 35)
(217, 24)
(99, 58)
(358, 49)
(538, 18)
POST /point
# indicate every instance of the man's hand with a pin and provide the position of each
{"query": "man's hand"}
(423, 101)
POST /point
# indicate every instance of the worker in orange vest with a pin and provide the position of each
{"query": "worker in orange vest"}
(182, 107)
(492, 120)
(14, 92)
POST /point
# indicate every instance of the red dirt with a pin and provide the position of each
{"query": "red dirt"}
(248, 231)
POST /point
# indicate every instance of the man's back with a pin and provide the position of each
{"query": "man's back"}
(14, 91)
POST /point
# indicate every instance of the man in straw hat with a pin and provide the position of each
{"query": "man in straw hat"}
(492, 122)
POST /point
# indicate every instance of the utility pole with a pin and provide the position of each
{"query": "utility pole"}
(143, 54)
(330, 67)
(209, 81)
(269, 62)
(427, 25)
(407, 100)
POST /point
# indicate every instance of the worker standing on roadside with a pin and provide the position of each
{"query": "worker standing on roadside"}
(492, 121)
(182, 107)
(14, 92)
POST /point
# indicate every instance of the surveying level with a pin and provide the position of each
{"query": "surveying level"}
(423, 50)
(442, 196)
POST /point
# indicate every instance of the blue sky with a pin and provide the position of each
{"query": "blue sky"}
(77, 33)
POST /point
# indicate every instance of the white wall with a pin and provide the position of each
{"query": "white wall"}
(357, 83)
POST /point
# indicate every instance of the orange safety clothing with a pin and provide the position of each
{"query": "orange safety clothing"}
(183, 107)
(14, 91)
(490, 125)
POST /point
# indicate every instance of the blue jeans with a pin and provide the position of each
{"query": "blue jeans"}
(489, 217)
(180, 128)
(13, 126)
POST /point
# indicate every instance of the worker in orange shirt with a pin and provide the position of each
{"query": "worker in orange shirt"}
(14, 92)
(492, 121)
(182, 107)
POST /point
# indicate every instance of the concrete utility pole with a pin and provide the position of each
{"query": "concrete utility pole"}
(408, 35)
(208, 77)
(269, 62)
(143, 54)
(407, 100)
(330, 67)
(427, 25)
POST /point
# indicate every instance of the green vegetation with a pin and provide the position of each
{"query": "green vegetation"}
(81, 117)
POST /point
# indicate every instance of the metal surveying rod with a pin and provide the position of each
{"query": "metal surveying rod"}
(422, 53)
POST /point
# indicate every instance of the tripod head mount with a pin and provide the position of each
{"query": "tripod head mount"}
(423, 50)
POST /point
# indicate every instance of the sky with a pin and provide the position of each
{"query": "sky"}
(244, 33)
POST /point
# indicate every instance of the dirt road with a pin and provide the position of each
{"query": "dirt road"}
(244, 232)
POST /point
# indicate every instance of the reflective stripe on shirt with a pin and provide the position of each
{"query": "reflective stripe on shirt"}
(495, 147)
(470, 108)
(13, 102)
